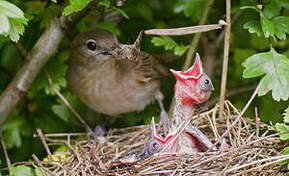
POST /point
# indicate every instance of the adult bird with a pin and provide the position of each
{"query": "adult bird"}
(114, 78)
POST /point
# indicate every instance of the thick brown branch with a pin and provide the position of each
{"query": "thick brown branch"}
(46, 46)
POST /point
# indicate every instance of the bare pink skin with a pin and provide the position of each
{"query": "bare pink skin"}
(192, 87)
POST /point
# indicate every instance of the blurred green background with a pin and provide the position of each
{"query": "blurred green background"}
(41, 108)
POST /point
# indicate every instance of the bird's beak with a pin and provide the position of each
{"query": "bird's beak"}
(138, 41)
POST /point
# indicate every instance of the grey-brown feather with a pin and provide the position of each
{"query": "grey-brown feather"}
(108, 84)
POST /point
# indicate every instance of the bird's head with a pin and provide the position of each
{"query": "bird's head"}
(193, 86)
(93, 45)
(100, 45)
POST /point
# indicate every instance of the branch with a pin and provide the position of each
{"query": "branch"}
(5, 153)
(46, 46)
(226, 56)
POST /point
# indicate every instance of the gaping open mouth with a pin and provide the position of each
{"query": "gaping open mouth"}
(193, 140)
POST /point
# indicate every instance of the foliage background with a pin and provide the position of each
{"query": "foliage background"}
(41, 108)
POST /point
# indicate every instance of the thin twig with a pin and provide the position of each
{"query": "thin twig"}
(5, 153)
(226, 57)
(42, 138)
(68, 104)
(257, 122)
(240, 115)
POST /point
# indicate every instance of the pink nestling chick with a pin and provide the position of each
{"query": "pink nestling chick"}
(193, 87)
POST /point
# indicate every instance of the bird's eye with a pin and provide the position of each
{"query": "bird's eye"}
(91, 45)
(155, 145)
(207, 81)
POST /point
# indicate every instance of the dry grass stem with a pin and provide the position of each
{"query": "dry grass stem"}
(248, 154)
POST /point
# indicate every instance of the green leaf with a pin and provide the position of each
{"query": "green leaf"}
(275, 67)
(180, 49)
(281, 26)
(12, 20)
(272, 10)
(254, 27)
(121, 12)
(61, 111)
(166, 41)
(12, 130)
(286, 115)
(39, 172)
(17, 28)
(190, 8)
(21, 170)
(105, 3)
(280, 127)
(286, 151)
(57, 71)
(109, 26)
(75, 6)
(10, 10)
(284, 4)
(5, 25)
(169, 44)
(268, 26)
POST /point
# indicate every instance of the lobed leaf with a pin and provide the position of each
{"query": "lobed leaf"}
(281, 26)
(254, 27)
(273, 9)
(275, 68)
(190, 8)
(280, 127)
(75, 6)
(268, 26)
(10, 10)
(169, 44)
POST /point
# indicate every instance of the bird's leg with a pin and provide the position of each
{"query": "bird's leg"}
(164, 118)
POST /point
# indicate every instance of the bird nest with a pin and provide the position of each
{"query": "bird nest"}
(252, 150)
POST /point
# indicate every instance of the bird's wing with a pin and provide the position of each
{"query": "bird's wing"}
(147, 67)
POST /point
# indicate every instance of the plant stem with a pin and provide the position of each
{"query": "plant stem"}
(6, 153)
(226, 57)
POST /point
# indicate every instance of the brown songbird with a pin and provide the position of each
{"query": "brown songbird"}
(113, 78)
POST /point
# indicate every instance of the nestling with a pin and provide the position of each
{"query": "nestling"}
(192, 87)
(113, 78)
